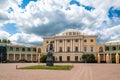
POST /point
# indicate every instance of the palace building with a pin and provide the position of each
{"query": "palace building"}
(69, 46)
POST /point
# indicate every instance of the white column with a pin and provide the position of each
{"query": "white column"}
(79, 45)
(71, 46)
(110, 58)
(104, 56)
(8, 56)
(55, 46)
(26, 56)
(63, 45)
(14, 56)
(20, 57)
(31, 57)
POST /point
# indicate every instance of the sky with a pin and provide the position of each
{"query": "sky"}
(28, 21)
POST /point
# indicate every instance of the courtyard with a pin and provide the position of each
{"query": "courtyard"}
(80, 71)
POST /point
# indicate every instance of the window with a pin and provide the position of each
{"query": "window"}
(68, 40)
(17, 49)
(60, 58)
(47, 42)
(11, 48)
(68, 58)
(85, 40)
(113, 48)
(52, 41)
(34, 49)
(70, 33)
(76, 49)
(76, 58)
(39, 50)
(107, 48)
(28, 49)
(100, 49)
(60, 41)
(74, 33)
(60, 50)
(91, 48)
(68, 49)
(76, 40)
(23, 49)
(91, 40)
(85, 49)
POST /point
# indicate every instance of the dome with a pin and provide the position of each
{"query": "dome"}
(69, 32)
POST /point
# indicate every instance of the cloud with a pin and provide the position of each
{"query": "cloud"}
(4, 34)
(27, 39)
(49, 17)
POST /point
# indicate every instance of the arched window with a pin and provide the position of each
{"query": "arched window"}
(100, 49)
(107, 48)
(39, 50)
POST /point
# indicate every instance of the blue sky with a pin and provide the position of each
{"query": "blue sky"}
(21, 20)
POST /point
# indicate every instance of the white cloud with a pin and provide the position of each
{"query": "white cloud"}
(23, 38)
(4, 34)
(48, 17)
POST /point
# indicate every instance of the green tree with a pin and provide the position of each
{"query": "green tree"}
(4, 41)
(88, 58)
(0, 40)
(8, 41)
(43, 58)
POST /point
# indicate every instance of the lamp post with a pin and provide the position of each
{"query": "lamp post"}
(39, 58)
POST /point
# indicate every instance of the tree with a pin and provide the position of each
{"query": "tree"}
(43, 58)
(88, 58)
(4, 41)
(8, 41)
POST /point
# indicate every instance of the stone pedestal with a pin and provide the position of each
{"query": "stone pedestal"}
(107, 58)
(49, 60)
(117, 58)
(98, 58)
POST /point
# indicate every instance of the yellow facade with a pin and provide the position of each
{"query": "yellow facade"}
(71, 45)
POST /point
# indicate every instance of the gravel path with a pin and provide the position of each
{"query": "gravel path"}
(79, 72)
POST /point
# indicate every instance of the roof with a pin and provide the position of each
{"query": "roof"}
(115, 41)
(69, 32)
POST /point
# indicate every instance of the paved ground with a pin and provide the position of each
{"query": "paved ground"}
(79, 72)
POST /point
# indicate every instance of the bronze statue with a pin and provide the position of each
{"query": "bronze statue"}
(50, 49)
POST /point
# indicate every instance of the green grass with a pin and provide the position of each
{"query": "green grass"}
(56, 67)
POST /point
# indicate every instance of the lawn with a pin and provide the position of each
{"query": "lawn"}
(55, 67)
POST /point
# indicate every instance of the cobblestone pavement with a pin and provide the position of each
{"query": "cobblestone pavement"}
(80, 71)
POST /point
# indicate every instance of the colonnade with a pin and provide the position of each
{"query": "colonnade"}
(20, 57)
(71, 44)
(108, 58)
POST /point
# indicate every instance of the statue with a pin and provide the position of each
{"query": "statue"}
(50, 50)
